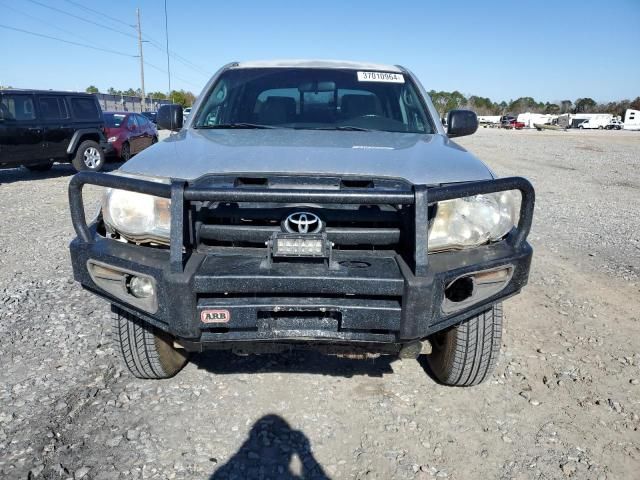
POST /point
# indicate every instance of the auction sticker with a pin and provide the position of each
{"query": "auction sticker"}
(380, 77)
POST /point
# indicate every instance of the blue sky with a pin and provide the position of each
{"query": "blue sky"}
(550, 50)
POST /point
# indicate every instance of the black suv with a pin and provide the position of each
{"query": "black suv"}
(40, 127)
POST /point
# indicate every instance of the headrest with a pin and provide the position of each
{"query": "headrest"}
(359, 105)
(278, 110)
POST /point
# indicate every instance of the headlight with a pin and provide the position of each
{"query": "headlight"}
(112, 139)
(472, 221)
(136, 216)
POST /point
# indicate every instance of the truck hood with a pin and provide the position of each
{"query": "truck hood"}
(417, 158)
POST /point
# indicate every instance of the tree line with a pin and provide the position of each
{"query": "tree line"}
(445, 101)
(182, 97)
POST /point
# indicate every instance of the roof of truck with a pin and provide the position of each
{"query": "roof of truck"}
(318, 64)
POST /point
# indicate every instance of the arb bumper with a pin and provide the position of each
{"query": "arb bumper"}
(373, 297)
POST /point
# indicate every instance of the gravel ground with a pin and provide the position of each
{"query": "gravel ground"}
(564, 401)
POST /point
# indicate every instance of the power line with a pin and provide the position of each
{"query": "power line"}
(86, 44)
(68, 41)
(173, 75)
(83, 19)
(180, 58)
(48, 22)
(153, 42)
(113, 19)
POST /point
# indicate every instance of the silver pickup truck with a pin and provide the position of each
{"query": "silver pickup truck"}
(307, 204)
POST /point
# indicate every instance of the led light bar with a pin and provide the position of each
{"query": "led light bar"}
(292, 245)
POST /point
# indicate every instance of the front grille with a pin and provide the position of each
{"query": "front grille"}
(348, 226)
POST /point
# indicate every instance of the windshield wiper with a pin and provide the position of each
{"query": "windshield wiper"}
(347, 128)
(235, 125)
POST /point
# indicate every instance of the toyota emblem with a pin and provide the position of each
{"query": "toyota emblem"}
(302, 222)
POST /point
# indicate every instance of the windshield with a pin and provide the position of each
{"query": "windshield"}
(113, 120)
(313, 98)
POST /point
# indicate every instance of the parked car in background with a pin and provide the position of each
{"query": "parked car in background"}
(39, 127)
(151, 116)
(591, 124)
(512, 123)
(129, 133)
(614, 124)
(185, 113)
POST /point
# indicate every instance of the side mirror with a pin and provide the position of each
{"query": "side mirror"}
(169, 117)
(461, 123)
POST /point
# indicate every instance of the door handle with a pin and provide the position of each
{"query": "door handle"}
(34, 129)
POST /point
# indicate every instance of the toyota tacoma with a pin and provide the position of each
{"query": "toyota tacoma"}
(307, 204)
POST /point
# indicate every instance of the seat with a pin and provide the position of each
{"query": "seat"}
(5, 113)
(360, 105)
(277, 110)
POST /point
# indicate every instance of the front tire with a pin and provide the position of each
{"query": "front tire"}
(467, 353)
(125, 152)
(89, 156)
(147, 352)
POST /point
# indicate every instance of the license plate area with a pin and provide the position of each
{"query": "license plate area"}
(299, 320)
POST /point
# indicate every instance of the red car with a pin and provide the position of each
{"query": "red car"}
(511, 123)
(129, 133)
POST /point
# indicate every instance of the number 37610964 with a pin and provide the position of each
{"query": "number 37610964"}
(380, 77)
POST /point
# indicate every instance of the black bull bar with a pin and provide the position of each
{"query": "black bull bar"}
(180, 194)
(416, 271)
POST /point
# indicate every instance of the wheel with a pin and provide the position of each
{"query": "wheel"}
(43, 167)
(146, 351)
(618, 127)
(125, 152)
(89, 156)
(154, 140)
(466, 354)
(600, 127)
(580, 127)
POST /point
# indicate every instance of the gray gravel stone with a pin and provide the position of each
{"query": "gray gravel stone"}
(66, 405)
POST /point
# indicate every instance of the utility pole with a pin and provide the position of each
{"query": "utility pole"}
(143, 105)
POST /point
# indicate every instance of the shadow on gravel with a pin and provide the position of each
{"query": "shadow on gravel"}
(295, 361)
(268, 453)
(12, 175)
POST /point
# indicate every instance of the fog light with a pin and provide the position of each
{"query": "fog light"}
(141, 287)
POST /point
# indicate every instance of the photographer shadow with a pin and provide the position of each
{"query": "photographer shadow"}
(270, 452)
